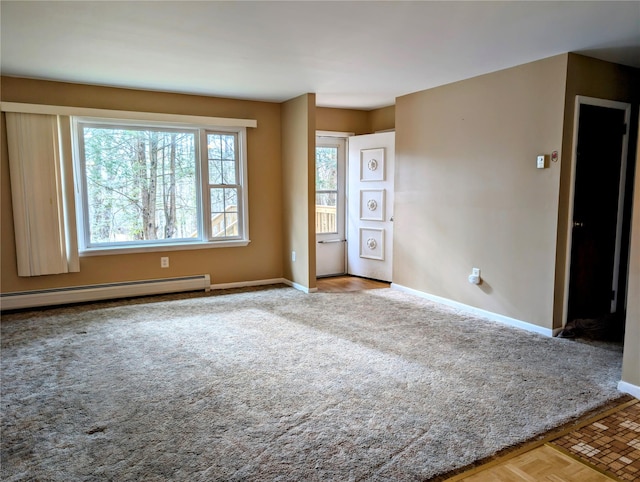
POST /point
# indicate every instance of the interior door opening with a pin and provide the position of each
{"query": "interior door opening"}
(600, 224)
(330, 206)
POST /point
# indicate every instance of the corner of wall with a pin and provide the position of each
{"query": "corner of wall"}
(298, 161)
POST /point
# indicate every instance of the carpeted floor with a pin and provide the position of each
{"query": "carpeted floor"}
(275, 384)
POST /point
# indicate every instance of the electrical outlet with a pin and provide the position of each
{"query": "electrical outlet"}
(164, 262)
(293, 255)
(474, 277)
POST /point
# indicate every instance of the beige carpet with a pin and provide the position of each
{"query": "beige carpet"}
(275, 384)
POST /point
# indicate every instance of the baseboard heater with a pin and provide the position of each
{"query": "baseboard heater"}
(126, 289)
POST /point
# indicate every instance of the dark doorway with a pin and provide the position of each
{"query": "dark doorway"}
(595, 247)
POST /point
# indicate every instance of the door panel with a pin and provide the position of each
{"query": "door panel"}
(370, 205)
(595, 211)
(330, 206)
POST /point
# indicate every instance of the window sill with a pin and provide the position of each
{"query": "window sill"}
(165, 247)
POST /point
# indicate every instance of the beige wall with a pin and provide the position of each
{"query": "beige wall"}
(356, 121)
(383, 119)
(298, 177)
(592, 78)
(262, 259)
(342, 120)
(631, 357)
(468, 193)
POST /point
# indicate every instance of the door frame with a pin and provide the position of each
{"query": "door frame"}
(626, 107)
(344, 136)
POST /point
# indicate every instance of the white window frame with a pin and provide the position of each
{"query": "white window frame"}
(206, 239)
(207, 185)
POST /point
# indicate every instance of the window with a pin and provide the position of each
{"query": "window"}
(223, 184)
(326, 189)
(151, 185)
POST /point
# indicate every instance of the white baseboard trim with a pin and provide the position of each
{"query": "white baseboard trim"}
(105, 291)
(477, 311)
(629, 388)
(79, 294)
(244, 284)
(299, 287)
(262, 282)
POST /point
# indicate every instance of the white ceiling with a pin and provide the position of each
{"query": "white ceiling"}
(351, 54)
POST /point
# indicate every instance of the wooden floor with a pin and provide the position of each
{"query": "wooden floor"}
(542, 463)
(550, 458)
(547, 459)
(338, 284)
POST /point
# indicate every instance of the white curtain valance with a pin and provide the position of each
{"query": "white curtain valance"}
(126, 115)
(42, 193)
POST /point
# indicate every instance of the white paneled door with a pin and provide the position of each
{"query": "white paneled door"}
(370, 205)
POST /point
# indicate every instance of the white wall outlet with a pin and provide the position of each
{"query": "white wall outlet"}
(474, 277)
(164, 262)
(293, 255)
(540, 163)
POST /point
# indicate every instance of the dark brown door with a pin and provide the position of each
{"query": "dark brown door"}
(595, 217)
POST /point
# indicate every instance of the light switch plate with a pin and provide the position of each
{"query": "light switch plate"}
(540, 162)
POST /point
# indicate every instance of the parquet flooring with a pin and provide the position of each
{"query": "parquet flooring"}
(542, 463)
(601, 448)
(611, 444)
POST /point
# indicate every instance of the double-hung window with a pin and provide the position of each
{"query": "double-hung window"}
(147, 185)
